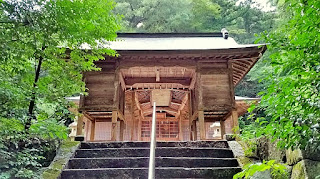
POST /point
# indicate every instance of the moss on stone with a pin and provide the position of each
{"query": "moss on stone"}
(293, 156)
(244, 161)
(54, 170)
(298, 171)
(65, 151)
(249, 148)
(68, 145)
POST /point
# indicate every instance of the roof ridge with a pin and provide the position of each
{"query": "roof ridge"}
(168, 35)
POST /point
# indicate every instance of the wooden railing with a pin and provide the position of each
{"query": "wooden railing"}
(151, 172)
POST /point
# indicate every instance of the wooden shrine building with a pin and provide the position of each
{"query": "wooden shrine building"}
(191, 77)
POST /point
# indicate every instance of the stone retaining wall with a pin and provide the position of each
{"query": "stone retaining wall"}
(300, 164)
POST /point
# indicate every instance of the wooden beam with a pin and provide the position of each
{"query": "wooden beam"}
(137, 101)
(234, 114)
(222, 129)
(227, 115)
(167, 109)
(114, 125)
(238, 70)
(80, 124)
(231, 85)
(131, 81)
(190, 115)
(117, 88)
(92, 130)
(238, 67)
(88, 116)
(121, 116)
(122, 83)
(241, 64)
(132, 127)
(175, 103)
(236, 76)
(202, 125)
(245, 62)
(194, 130)
(182, 105)
(139, 127)
(122, 127)
(193, 80)
(81, 102)
(157, 71)
(175, 55)
(246, 58)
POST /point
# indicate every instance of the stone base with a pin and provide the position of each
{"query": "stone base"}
(229, 137)
(79, 138)
(306, 169)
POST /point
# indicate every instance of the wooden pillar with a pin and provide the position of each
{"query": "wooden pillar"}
(194, 130)
(191, 129)
(235, 121)
(80, 124)
(231, 85)
(222, 129)
(180, 128)
(139, 126)
(202, 125)
(92, 130)
(191, 132)
(114, 125)
(132, 127)
(122, 127)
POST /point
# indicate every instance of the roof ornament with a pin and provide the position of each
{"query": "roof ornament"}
(225, 33)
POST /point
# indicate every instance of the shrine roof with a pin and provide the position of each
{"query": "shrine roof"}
(175, 41)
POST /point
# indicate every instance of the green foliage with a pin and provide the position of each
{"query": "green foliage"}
(18, 157)
(277, 170)
(243, 20)
(52, 35)
(45, 46)
(292, 99)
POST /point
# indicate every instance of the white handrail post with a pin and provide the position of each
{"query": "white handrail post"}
(151, 172)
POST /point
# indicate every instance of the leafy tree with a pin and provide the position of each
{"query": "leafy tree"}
(155, 16)
(32, 31)
(242, 21)
(45, 45)
(292, 99)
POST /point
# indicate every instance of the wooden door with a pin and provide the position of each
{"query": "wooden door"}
(167, 129)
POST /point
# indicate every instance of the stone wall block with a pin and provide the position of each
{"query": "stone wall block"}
(311, 154)
(262, 175)
(306, 169)
(267, 150)
(293, 156)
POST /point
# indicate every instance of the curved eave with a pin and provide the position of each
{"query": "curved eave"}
(242, 66)
(243, 58)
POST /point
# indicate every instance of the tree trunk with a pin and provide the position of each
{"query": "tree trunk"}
(33, 96)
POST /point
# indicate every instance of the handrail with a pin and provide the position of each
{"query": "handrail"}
(151, 172)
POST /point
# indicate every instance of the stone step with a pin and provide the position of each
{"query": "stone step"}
(211, 144)
(141, 173)
(160, 152)
(140, 162)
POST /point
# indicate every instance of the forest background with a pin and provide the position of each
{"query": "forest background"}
(35, 76)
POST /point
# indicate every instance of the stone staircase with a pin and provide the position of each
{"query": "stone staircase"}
(199, 159)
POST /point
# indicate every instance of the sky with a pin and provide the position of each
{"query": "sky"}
(265, 5)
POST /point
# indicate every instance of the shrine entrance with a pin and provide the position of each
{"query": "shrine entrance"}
(191, 77)
(167, 128)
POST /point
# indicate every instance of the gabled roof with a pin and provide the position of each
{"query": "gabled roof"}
(199, 46)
